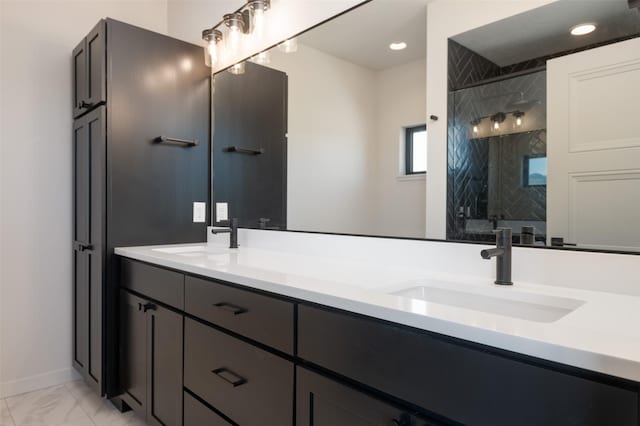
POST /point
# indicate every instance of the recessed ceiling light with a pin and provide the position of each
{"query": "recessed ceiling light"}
(583, 29)
(398, 46)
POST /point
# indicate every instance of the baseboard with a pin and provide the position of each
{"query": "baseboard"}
(39, 381)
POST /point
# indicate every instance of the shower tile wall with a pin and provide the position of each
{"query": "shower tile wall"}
(486, 172)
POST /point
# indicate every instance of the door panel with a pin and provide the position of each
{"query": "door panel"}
(133, 352)
(165, 367)
(594, 147)
(82, 186)
(251, 113)
(96, 70)
(80, 310)
(324, 402)
(79, 65)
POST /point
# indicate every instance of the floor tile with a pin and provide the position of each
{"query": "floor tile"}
(54, 406)
(5, 416)
(100, 410)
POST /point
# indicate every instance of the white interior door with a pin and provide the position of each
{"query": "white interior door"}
(593, 147)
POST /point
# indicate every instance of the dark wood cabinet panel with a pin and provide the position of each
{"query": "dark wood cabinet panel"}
(79, 66)
(247, 384)
(156, 283)
(164, 383)
(88, 246)
(324, 402)
(262, 318)
(198, 414)
(96, 79)
(151, 359)
(133, 352)
(468, 385)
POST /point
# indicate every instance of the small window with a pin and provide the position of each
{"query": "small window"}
(416, 150)
(535, 171)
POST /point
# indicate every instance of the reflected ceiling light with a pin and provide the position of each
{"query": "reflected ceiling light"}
(212, 38)
(583, 29)
(398, 46)
(237, 69)
(262, 58)
(289, 46)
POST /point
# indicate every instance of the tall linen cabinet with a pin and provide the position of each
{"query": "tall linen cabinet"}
(141, 138)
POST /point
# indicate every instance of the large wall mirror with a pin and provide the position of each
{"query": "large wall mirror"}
(328, 132)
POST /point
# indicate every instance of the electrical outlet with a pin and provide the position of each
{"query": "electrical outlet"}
(222, 212)
(199, 212)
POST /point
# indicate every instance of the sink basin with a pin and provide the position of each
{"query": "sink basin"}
(180, 250)
(507, 302)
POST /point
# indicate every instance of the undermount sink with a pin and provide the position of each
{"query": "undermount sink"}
(180, 250)
(509, 302)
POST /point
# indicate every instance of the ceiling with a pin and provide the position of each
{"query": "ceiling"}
(545, 30)
(363, 35)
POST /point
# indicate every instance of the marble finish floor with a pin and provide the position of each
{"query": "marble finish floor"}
(71, 404)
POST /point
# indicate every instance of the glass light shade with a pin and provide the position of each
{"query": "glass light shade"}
(235, 23)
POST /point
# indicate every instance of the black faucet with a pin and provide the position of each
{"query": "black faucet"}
(232, 230)
(502, 253)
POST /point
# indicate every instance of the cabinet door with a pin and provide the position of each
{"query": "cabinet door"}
(88, 237)
(96, 66)
(164, 366)
(133, 352)
(324, 402)
(79, 65)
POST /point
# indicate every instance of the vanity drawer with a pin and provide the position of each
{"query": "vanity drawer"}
(156, 283)
(261, 318)
(249, 385)
(198, 414)
(460, 381)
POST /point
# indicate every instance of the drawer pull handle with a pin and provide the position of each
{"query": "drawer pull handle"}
(228, 307)
(149, 307)
(229, 377)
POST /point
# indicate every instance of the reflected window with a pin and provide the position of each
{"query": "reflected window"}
(416, 149)
(535, 171)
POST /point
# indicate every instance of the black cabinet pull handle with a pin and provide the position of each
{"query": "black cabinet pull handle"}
(82, 246)
(228, 307)
(149, 307)
(404, 420)
(189, 142)
(244, 150)
(229, 376)
(84, 104)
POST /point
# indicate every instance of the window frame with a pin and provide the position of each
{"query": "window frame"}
(525, 170)
(408, 149)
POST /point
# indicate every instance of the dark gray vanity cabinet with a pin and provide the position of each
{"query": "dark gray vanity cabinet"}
(89, 71)
(131, 86)
(89, 142)
(151, 359)
(325, 402)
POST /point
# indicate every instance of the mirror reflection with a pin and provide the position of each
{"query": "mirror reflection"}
(328, 132)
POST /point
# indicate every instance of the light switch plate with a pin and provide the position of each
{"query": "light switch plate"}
(199, 212)
(222, 212)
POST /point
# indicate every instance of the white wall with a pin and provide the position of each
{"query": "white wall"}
(187, 19)
(446, 18)
(36, 40)
(331, 144)
(400, 102)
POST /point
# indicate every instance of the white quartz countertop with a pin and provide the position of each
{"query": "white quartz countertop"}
(602, 334)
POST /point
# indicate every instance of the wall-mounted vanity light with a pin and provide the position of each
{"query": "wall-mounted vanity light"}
(246, 21)
(497, 119)
(262, 58)
(212, 38)
(475, 123)
(518, 116)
